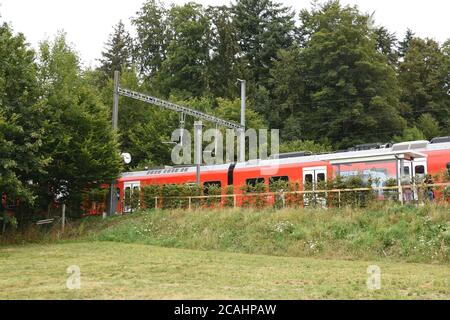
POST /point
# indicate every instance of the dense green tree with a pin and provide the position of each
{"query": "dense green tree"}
(231, 110)
(306, 145)
(21, 156)
(224, 66)
(152, 37)
(424, 79)
(184, 71)
(346, 90)
(429, 126)
(79, 139)
(263, 27)
(403, 45)
(409, 134)
(289, 85)
(386, 43)
(118, 51)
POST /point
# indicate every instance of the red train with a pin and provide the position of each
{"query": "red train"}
(400, 161)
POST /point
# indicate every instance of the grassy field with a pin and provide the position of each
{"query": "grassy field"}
(403, 233)
(235, 254)
(136, 271)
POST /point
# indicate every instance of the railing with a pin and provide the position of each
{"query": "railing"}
(332, 197)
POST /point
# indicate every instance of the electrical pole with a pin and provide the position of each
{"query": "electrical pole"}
(242, 130)
(198, 126)
(115, 117)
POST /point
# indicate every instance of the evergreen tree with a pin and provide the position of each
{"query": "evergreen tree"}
(118, 51)
(263, 28)
(428, 125)
(404, 44)
(79, 139)
(386, 43)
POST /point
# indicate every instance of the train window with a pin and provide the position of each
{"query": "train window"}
(276, 179)
(254, 181)
(420, 169)
(210, 184)
(320, 177)
(406, 171)
(308, 178)
(448, 167)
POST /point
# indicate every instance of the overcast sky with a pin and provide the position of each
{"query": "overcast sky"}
(89, 22)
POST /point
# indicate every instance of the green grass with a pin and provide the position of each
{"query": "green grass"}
(235, 254)
(136, 271)
(402, 233)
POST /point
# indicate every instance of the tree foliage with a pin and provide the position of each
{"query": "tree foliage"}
(118, 51)
(79, 141)
(327, 77)
(21, 131)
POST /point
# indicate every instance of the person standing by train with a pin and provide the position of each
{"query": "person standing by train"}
(429, 189)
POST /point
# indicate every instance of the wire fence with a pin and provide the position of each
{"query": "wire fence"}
(357, 197)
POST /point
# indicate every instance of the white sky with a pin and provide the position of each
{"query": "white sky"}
(89, 22)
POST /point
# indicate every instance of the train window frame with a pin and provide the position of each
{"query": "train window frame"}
(254, 181)
(422, 170)
(274, 179)
(319, 175)
(208, 184)
(309, 180)
(406, 171)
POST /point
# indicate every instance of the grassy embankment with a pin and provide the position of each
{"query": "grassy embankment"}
(291, 253)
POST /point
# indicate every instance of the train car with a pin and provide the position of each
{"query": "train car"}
(400, 162)
(130, 182)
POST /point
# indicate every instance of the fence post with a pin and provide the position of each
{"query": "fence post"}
(234, 200)
(63, 218)
(156, 202)
(339, 198)
(189, 203)
(400, 193)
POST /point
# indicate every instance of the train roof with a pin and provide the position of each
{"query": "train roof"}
(175, 170)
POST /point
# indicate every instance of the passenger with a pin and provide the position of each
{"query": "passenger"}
(429, 189)
(408, 195)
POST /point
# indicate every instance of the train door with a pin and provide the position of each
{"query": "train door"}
(314, 179)
(419, 171)
(413, 173)
(131, 196)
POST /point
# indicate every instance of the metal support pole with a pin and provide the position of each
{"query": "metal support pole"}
(63, 221)
(115, 117)
(400, 178)
(198, 148)
(242, 130)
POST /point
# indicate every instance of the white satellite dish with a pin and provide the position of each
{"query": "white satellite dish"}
(126, 157)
